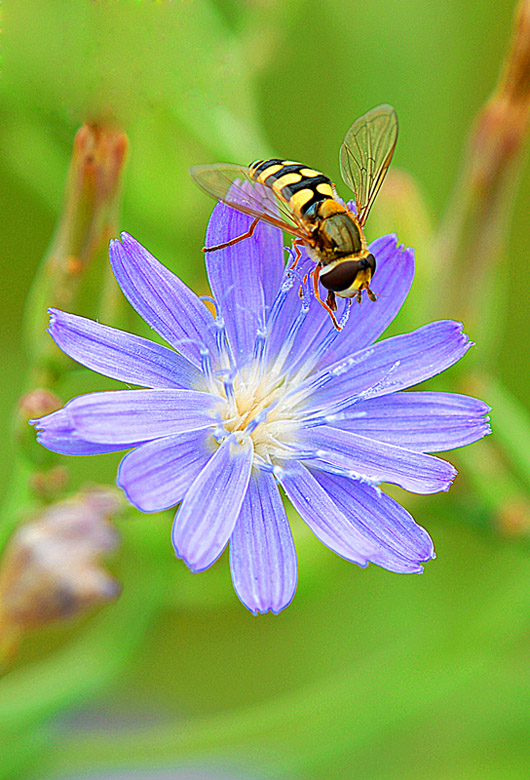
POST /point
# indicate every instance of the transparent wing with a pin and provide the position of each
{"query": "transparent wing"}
(366, 154)
(232, 184)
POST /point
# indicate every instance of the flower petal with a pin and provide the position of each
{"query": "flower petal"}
(300, 312)
(205, 521)
(376, 461)
(317, 509)
(157, 475)
(426, 422)
(322, 344)
(244, 277)
(162, 300)
(384, 368)
(403, 544)
(55, 431)
(391, 283)
(262, 552)
(121, 355)
(127, 416)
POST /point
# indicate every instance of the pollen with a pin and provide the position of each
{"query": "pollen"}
(254, 409)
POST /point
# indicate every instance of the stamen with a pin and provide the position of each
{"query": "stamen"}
(258, 363)
(206, 365)
(223, 344)
(306, 362)
(228, 385)
(257, 420)
(278, 305)
(295, 326)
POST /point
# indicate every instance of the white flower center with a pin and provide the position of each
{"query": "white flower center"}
(254, 409)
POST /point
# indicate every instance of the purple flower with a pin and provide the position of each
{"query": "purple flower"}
(268, 394)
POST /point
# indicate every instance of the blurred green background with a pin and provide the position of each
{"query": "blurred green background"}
(367, 674)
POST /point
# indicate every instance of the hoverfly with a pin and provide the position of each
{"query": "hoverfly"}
(304, 203)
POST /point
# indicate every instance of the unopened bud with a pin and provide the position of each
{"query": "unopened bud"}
(470, 249)
(89, 219)
(51, 566)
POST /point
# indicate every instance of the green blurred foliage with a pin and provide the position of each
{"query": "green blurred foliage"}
(367, 674)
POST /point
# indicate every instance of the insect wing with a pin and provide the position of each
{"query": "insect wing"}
(233, 185)
(366, 154)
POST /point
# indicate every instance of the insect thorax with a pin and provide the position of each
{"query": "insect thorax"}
(336, 232)
(312, 199)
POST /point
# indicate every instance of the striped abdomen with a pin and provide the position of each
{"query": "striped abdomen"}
(299, 186)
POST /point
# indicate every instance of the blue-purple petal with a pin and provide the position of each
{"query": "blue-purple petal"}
(55, 431)
(162, 300)
(120, 355)
(244, 277)
(403, 545)
(157, 475)
(325, 520)
(386, 367)
(207, 516)
(376, 461)
(127, 416)
(321, 344)
(262, 552)
(368, 321)
(425, 422)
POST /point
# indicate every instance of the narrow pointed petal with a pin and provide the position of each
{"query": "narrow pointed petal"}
(403, 545)
(157, 475)
(120, 355)
(205, 521)
(322, 344)
(425, 422)
(323, 517)
(376, 461)
(126, 416)
(56, 433)
(394, 364)
(162, 300)
(369, 320)
(299, 306)
(262, 553)
(244, 277)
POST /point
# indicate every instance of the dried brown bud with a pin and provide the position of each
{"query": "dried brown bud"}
(89, 218)
(502, 125)
(51, 566)
(471, 242)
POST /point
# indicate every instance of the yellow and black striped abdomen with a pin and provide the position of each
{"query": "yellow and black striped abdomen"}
(299, 186)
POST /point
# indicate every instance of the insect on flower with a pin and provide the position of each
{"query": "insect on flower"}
(266, 396)
(304, 203)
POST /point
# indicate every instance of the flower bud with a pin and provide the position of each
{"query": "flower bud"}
(51, 566)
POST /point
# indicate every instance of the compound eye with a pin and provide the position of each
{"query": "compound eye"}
(370, 263)
(343, 275)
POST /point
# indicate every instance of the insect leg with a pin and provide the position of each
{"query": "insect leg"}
(298, 253)
(301, 290)
(315, 274)
(233, 240)
(330, 300)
